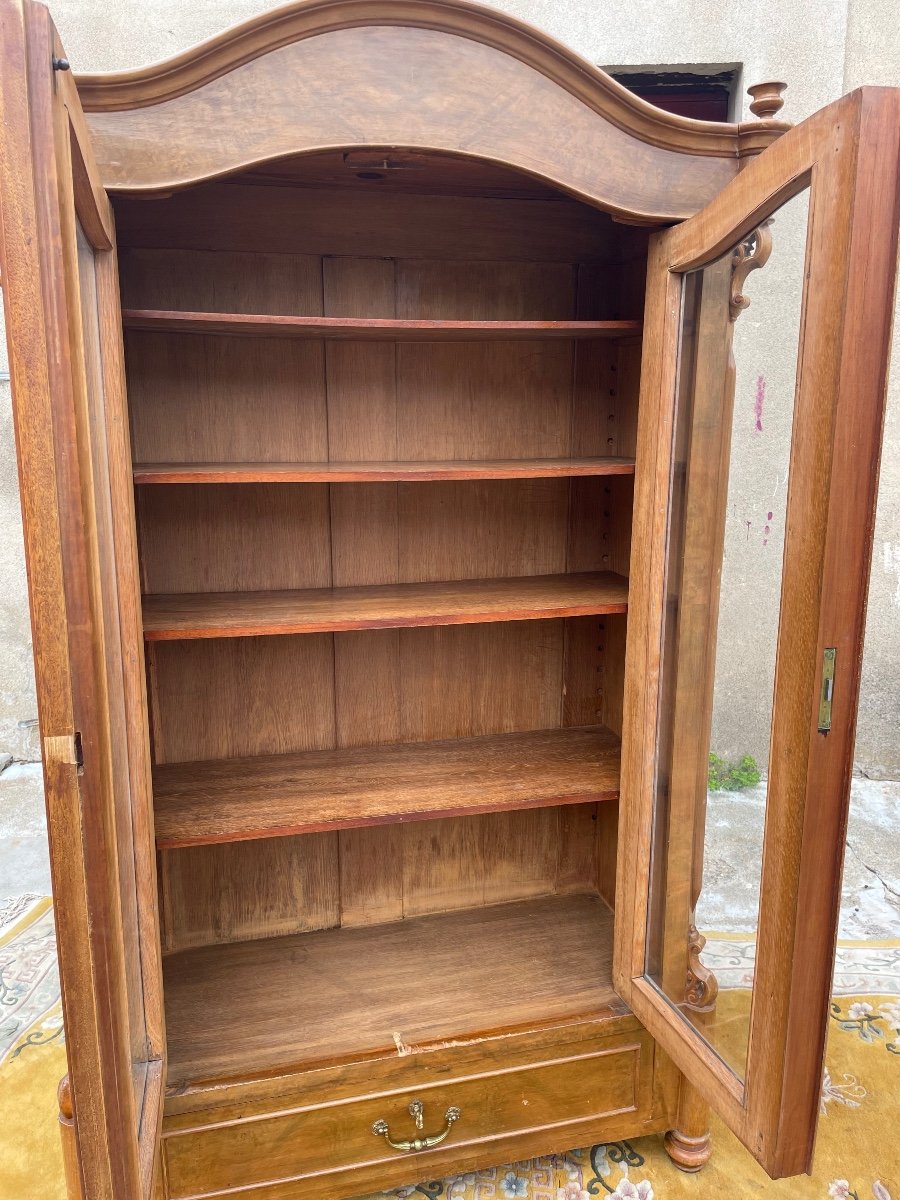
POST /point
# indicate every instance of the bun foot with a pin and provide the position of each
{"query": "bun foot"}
(688, 1153)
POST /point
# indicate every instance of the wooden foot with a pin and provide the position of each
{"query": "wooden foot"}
(686, 1152)
(689, 1145)
(69, 1142)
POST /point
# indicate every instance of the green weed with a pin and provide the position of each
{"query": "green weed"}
(732, 777)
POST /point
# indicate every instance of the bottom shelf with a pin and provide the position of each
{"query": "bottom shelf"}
(251, 1008)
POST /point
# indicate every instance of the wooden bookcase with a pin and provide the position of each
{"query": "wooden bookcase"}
(352, 434)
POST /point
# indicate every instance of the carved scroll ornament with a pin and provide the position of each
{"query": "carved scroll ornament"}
(702, 987)
(750, 254)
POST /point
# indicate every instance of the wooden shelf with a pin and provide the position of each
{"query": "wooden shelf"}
(228, 800)
(249, 1008)
(369, 328)
(394, 606)
(379, 472)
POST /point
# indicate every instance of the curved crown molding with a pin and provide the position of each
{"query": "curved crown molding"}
(445, 76)
(304, 19)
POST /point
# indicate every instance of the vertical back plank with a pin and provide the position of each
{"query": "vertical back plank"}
(362, 424)
(242, 890)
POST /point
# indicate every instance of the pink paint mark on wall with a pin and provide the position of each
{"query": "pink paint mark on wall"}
(767, 530)
(760, 400)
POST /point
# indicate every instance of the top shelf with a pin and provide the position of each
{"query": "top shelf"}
(369, 328)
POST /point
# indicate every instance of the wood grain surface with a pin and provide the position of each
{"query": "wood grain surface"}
(196, 399)
(232, 799)
(285, 1127)
(848, 156)
(62, 316)
(526, 102)
(264, 1005)
(377, 472)
(304, 1146)
(394, 606)
(370, 328)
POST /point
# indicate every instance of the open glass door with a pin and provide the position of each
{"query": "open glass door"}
(798, 253)
(64, 328)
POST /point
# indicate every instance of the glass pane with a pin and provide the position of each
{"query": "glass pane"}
(97, 423)
(740, 326)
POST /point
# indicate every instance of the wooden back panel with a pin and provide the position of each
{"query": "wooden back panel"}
(382, 221)
(196, 398)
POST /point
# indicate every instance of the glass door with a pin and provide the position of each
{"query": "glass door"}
(61, 289)
(765, 353)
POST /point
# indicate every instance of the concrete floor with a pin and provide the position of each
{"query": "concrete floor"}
(870, 895)
(24, 860)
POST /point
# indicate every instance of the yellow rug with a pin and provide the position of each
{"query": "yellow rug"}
(857, 1157)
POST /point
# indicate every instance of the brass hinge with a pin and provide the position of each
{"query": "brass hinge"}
(827, 692)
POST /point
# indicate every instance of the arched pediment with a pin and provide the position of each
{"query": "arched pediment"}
(420, 75)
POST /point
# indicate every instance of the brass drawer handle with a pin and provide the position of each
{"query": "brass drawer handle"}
(417, 1111)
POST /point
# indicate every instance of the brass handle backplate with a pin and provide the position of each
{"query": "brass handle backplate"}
(417, 1112)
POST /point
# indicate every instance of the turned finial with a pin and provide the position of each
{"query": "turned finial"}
(767, 99)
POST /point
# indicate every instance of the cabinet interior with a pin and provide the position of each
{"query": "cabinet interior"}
(385, 579)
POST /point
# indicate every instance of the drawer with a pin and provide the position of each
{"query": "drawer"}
(300, 1142)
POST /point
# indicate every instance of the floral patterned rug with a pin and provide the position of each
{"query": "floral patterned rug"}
(857, 1155)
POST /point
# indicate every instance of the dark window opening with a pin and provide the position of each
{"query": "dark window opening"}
(706, 96)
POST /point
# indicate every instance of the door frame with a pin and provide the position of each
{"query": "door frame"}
(849, 155)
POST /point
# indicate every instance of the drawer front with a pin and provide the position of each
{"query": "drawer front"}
(301, 1143)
